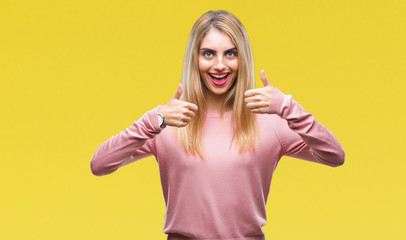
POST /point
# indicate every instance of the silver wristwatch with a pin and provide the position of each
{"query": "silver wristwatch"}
(161, 120)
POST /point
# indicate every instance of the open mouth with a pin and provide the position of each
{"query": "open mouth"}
(219, 79)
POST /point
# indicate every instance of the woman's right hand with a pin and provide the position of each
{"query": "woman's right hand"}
(177, 113)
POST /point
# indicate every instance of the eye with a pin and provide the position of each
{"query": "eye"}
(231, 54)
(207, 54)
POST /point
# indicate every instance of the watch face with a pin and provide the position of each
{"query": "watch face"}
(160, 119)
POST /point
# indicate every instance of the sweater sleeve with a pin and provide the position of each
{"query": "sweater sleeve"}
(132, 144)
(303, 137)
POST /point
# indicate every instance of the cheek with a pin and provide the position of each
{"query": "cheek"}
(203, 66)
(234, 66)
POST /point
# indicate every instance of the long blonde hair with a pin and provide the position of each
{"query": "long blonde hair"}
(244, 122)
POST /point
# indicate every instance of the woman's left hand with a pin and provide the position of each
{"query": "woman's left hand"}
(259, 99)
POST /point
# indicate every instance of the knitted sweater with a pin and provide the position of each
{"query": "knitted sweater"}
(222, 196)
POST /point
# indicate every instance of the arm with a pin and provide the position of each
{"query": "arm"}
(136, 141)
(303, 137)
(130, 145)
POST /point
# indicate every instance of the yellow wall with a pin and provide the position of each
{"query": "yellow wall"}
(75, 73)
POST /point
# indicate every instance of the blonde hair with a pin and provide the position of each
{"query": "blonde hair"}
(244, 122)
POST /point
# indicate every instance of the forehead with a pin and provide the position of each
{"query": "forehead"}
(216, 40)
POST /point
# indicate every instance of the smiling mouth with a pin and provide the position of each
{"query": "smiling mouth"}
(219, 79)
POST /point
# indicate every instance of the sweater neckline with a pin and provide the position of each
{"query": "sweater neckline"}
(217, 115)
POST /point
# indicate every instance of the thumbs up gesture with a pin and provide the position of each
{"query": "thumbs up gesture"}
(258, 99)
(177, 113)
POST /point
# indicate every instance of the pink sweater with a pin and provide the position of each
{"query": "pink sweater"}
(224, 195)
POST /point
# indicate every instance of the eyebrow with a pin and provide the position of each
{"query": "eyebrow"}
(228, 50)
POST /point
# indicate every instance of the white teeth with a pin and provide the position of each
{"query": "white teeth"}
(219, 76)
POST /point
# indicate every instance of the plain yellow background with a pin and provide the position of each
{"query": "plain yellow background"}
(75, 73)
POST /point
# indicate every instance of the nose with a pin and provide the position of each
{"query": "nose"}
(219, 64)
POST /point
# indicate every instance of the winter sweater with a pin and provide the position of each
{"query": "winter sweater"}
(223, 195)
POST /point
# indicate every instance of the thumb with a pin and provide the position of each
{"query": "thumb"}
(264, 79)
(178, 92)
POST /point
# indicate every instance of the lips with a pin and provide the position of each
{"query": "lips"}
(219, 79)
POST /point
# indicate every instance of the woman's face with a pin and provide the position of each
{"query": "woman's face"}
(218, 62)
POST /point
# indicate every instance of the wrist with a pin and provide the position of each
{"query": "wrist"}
(276, 102)
(161, 119)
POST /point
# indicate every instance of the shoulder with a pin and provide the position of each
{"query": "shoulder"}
(272, 127)
(167, 136)
(270, 121)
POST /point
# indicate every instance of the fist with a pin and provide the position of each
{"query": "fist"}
(177, 113)
(259, 99)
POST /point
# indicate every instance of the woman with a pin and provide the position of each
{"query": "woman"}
(218, 140)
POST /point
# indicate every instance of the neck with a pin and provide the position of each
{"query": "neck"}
(214, 103)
